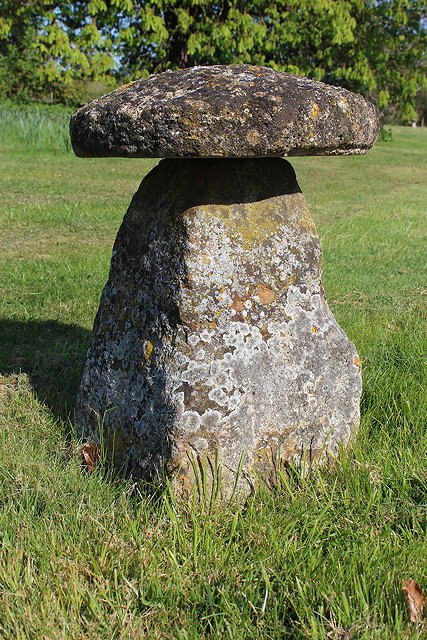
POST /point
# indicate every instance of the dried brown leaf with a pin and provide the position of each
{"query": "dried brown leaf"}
(415, 599)
(90, 453)
(265, 294)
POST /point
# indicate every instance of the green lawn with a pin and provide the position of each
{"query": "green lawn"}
(87, 557)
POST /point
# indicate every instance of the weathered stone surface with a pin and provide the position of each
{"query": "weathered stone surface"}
(213, 331)
(225, 111)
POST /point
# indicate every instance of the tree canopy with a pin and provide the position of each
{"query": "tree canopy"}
(374, 47)
(47, 47)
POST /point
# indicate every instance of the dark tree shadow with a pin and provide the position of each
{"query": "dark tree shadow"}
(51, 353)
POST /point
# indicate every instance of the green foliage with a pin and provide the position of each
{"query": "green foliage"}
(375, 47)
(387, 59)
(41, 128)
(47, 47)
(385, 135)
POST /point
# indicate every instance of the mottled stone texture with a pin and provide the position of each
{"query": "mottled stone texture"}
(227, 111)
(213, 332)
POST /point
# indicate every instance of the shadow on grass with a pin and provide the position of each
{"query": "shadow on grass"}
(52, 354)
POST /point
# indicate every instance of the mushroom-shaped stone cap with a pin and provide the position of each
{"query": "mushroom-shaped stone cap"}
(225, 111)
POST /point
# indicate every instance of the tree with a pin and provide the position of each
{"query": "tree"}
(421, 106)
(374, 47)
(386, 60)
(46, 47)
(294, 36)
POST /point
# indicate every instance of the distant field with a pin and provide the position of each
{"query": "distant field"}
(82, 557)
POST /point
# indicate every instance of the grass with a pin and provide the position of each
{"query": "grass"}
(42, 128)
(85, 556)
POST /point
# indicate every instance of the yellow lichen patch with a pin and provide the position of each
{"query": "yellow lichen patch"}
(357, 362)
(78, 109)
(194, 120)
(221, 291)
(148, 349)
(290, 280)
(314, 111)
(265, 294)
(253, 223)
(125, 86)
(343, 104)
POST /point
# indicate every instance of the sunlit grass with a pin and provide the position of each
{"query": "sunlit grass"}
(85, 556)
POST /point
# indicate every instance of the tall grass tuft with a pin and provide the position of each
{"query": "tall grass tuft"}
(35, 128)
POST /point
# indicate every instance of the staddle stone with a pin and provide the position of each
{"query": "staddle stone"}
(214, 340)
(225, 111)
(214, 336)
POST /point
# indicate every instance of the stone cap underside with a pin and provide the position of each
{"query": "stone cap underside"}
(228, 111)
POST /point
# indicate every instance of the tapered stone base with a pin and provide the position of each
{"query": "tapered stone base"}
(213, 335)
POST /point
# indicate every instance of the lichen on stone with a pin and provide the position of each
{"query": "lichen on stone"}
(213, 336)
(230, 111)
